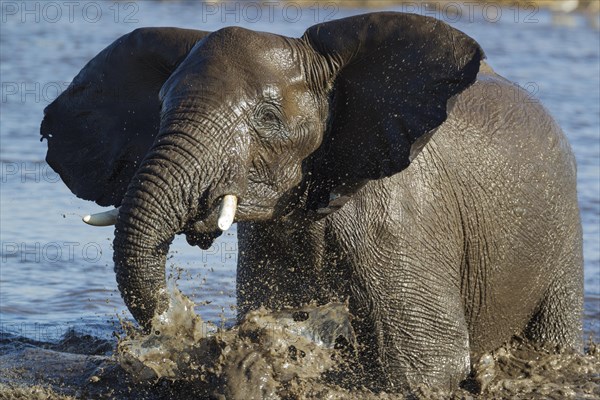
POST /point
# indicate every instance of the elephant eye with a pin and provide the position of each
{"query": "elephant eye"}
(269, 122)
(268, 117)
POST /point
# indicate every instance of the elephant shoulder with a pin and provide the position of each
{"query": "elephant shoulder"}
(501, 120)
(497, 108)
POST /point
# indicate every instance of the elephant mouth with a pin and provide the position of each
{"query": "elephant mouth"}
(201, 239)
(204, 231)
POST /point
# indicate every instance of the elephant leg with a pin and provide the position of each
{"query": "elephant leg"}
(420, 337)
(404, 285)
(278, 267)
(557, 320)
(271, 284)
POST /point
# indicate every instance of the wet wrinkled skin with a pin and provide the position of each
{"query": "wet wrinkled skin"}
(378, 161)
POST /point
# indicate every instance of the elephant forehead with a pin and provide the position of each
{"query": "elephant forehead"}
(279, 59)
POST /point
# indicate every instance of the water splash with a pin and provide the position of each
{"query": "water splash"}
(265, 355)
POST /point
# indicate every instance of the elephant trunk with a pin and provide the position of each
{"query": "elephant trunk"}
(152, 211)
(173, 187)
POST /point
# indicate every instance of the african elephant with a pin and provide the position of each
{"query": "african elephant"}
(377, 160)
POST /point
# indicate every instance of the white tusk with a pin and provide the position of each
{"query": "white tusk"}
(105, 218)
(227, 213)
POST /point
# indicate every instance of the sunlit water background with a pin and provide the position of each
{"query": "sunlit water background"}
(57, 273)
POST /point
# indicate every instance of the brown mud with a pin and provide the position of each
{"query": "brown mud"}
(306, 353)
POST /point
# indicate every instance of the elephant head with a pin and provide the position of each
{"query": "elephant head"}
(288, 127)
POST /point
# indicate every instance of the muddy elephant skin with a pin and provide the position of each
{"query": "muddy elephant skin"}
(377, 160)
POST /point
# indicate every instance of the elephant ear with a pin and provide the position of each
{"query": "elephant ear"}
(390, 78)
(101, 127)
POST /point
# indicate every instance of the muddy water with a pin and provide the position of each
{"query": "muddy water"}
(306, 353)
(59, 306)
